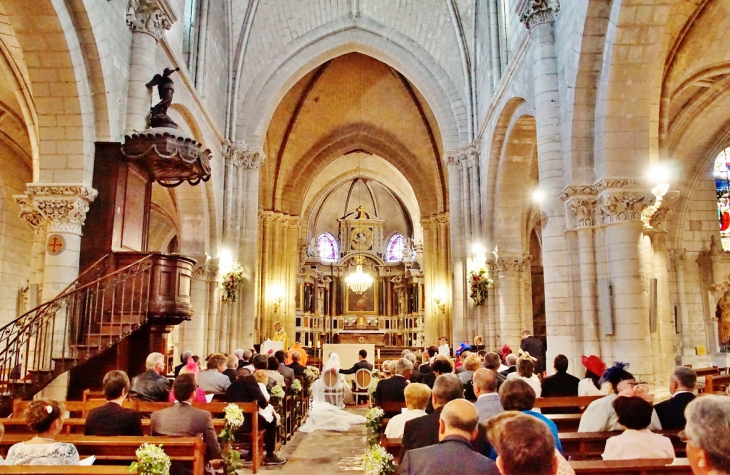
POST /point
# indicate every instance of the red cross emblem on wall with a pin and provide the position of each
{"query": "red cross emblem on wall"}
(55, 245)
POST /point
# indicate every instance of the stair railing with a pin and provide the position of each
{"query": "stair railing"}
(92, 314)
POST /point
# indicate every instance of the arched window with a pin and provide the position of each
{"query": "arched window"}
(394, 251)
(722, 186)
(327, 248)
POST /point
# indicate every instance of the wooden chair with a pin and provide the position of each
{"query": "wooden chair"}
(332, 393)
(573, 401)
(717, 384)
(91, 394)
(363, 377)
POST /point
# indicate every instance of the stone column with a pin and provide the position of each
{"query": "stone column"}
(30, 215)
(509, 268)
(581, 202)
(458, 234)
(194, 333)
(621, 206)
(538, 16)
(148, 20)
(678, 259)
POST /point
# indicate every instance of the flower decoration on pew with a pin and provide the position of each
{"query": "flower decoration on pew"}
(311, 374)
(230, 282)
(373, 386)
(296, 386)
(374, 424)
(151, 460)
(231, 457)
(479, 283)
(277, 392)
(378, 461)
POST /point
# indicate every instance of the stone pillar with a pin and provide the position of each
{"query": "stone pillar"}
(194, 333)
(581, 202)
(538, 16)
(30, 215)
(458, 234)
(509, 283)
(678, 259)
(148, 20)
(621, 206)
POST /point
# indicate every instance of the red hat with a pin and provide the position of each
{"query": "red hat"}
(506, 351)
(594, 364)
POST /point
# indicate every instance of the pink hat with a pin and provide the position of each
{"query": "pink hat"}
(506, 351)
(594, 364)
(193, 367)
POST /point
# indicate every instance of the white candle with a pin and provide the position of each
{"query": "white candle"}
(378, 353)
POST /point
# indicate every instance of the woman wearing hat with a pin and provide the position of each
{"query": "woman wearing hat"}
(594, 369)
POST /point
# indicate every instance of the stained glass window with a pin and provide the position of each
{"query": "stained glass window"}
(394, 251)
(327, 248)
(722, 186)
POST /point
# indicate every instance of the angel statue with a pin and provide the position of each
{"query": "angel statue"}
(165, 89)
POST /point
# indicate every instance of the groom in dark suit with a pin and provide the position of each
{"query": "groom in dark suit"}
(361, 364)
(671, 411)
(453, 453)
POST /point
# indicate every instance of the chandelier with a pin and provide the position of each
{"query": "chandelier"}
(359, 281)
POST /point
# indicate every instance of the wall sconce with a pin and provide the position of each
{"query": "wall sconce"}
(277, 303)
(440, 305)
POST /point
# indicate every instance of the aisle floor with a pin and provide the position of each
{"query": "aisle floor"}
(325, 452)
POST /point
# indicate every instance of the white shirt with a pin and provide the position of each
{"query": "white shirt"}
(638, 444)
(445, 350)
(601, 417)
(587, 388)
(396, 425)
(533, 381)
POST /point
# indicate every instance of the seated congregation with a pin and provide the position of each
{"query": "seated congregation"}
(153, 408)
(496, 413)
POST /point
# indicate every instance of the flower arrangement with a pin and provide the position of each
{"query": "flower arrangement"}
(378, 461)
(151, 460)
(374, 423)
(479, 283)
(277, 392)
(230, 282)
(373, 385)
(311, 374)
(231, 457)
(296, 386)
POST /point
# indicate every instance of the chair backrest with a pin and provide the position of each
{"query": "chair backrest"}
(330, 379)
(363, 378)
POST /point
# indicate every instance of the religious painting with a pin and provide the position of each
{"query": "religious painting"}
(361, 304)
(298, 297)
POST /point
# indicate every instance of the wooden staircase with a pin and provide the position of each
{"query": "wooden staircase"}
(101, 307)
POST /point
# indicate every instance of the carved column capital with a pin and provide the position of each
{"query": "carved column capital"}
(619, 206)
(655, 217)
(152, 17)
(465, 157)
(534, 12)
(509, 263)
(583, 211)
(62, 207)
(238, 155)
(30, 214)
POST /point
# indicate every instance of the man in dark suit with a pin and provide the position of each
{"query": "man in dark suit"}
(534, 346)
(392, 389)
(454, 453)
(493, 361)
(431, 351)
(671, 411)
(112, 419)
(511, 361)
(284, 370)
(362, 363)
(561, 384)
(298, 368)
(184, 360)
(246, 389)
(183, 420)
(231, 367)
(151, 385)
(424, 431)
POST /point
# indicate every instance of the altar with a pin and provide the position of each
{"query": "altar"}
(373, 337)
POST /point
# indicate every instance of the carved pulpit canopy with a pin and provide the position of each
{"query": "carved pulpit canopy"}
(168, 155)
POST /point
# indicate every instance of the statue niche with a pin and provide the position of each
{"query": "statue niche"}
(723, 319)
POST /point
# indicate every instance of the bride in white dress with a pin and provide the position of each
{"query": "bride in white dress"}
(329, 393)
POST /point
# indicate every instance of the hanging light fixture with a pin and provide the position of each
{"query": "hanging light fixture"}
(359, 281)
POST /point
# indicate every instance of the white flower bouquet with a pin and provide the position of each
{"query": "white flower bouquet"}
(230, 282)
(151, 460)
(296, 386)
(378, 461)
(277, 392)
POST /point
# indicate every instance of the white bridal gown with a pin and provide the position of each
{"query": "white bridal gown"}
(329, 393)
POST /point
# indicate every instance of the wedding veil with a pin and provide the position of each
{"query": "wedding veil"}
(332, 363)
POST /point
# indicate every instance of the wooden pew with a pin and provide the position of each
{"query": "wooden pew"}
(557, 402)
(392, 446)
(66, 469)
(590, 445)
(565, 422)
(76, 425)
(122, 449)
(717, 384)
(632, 467)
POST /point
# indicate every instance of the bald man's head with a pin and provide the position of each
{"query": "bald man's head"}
(458, 417)
(485, 381)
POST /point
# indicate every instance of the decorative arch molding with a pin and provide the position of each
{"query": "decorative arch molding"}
(374, 141)
(507, 226)
(11, 72)
(331, 40)
(57, 51)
